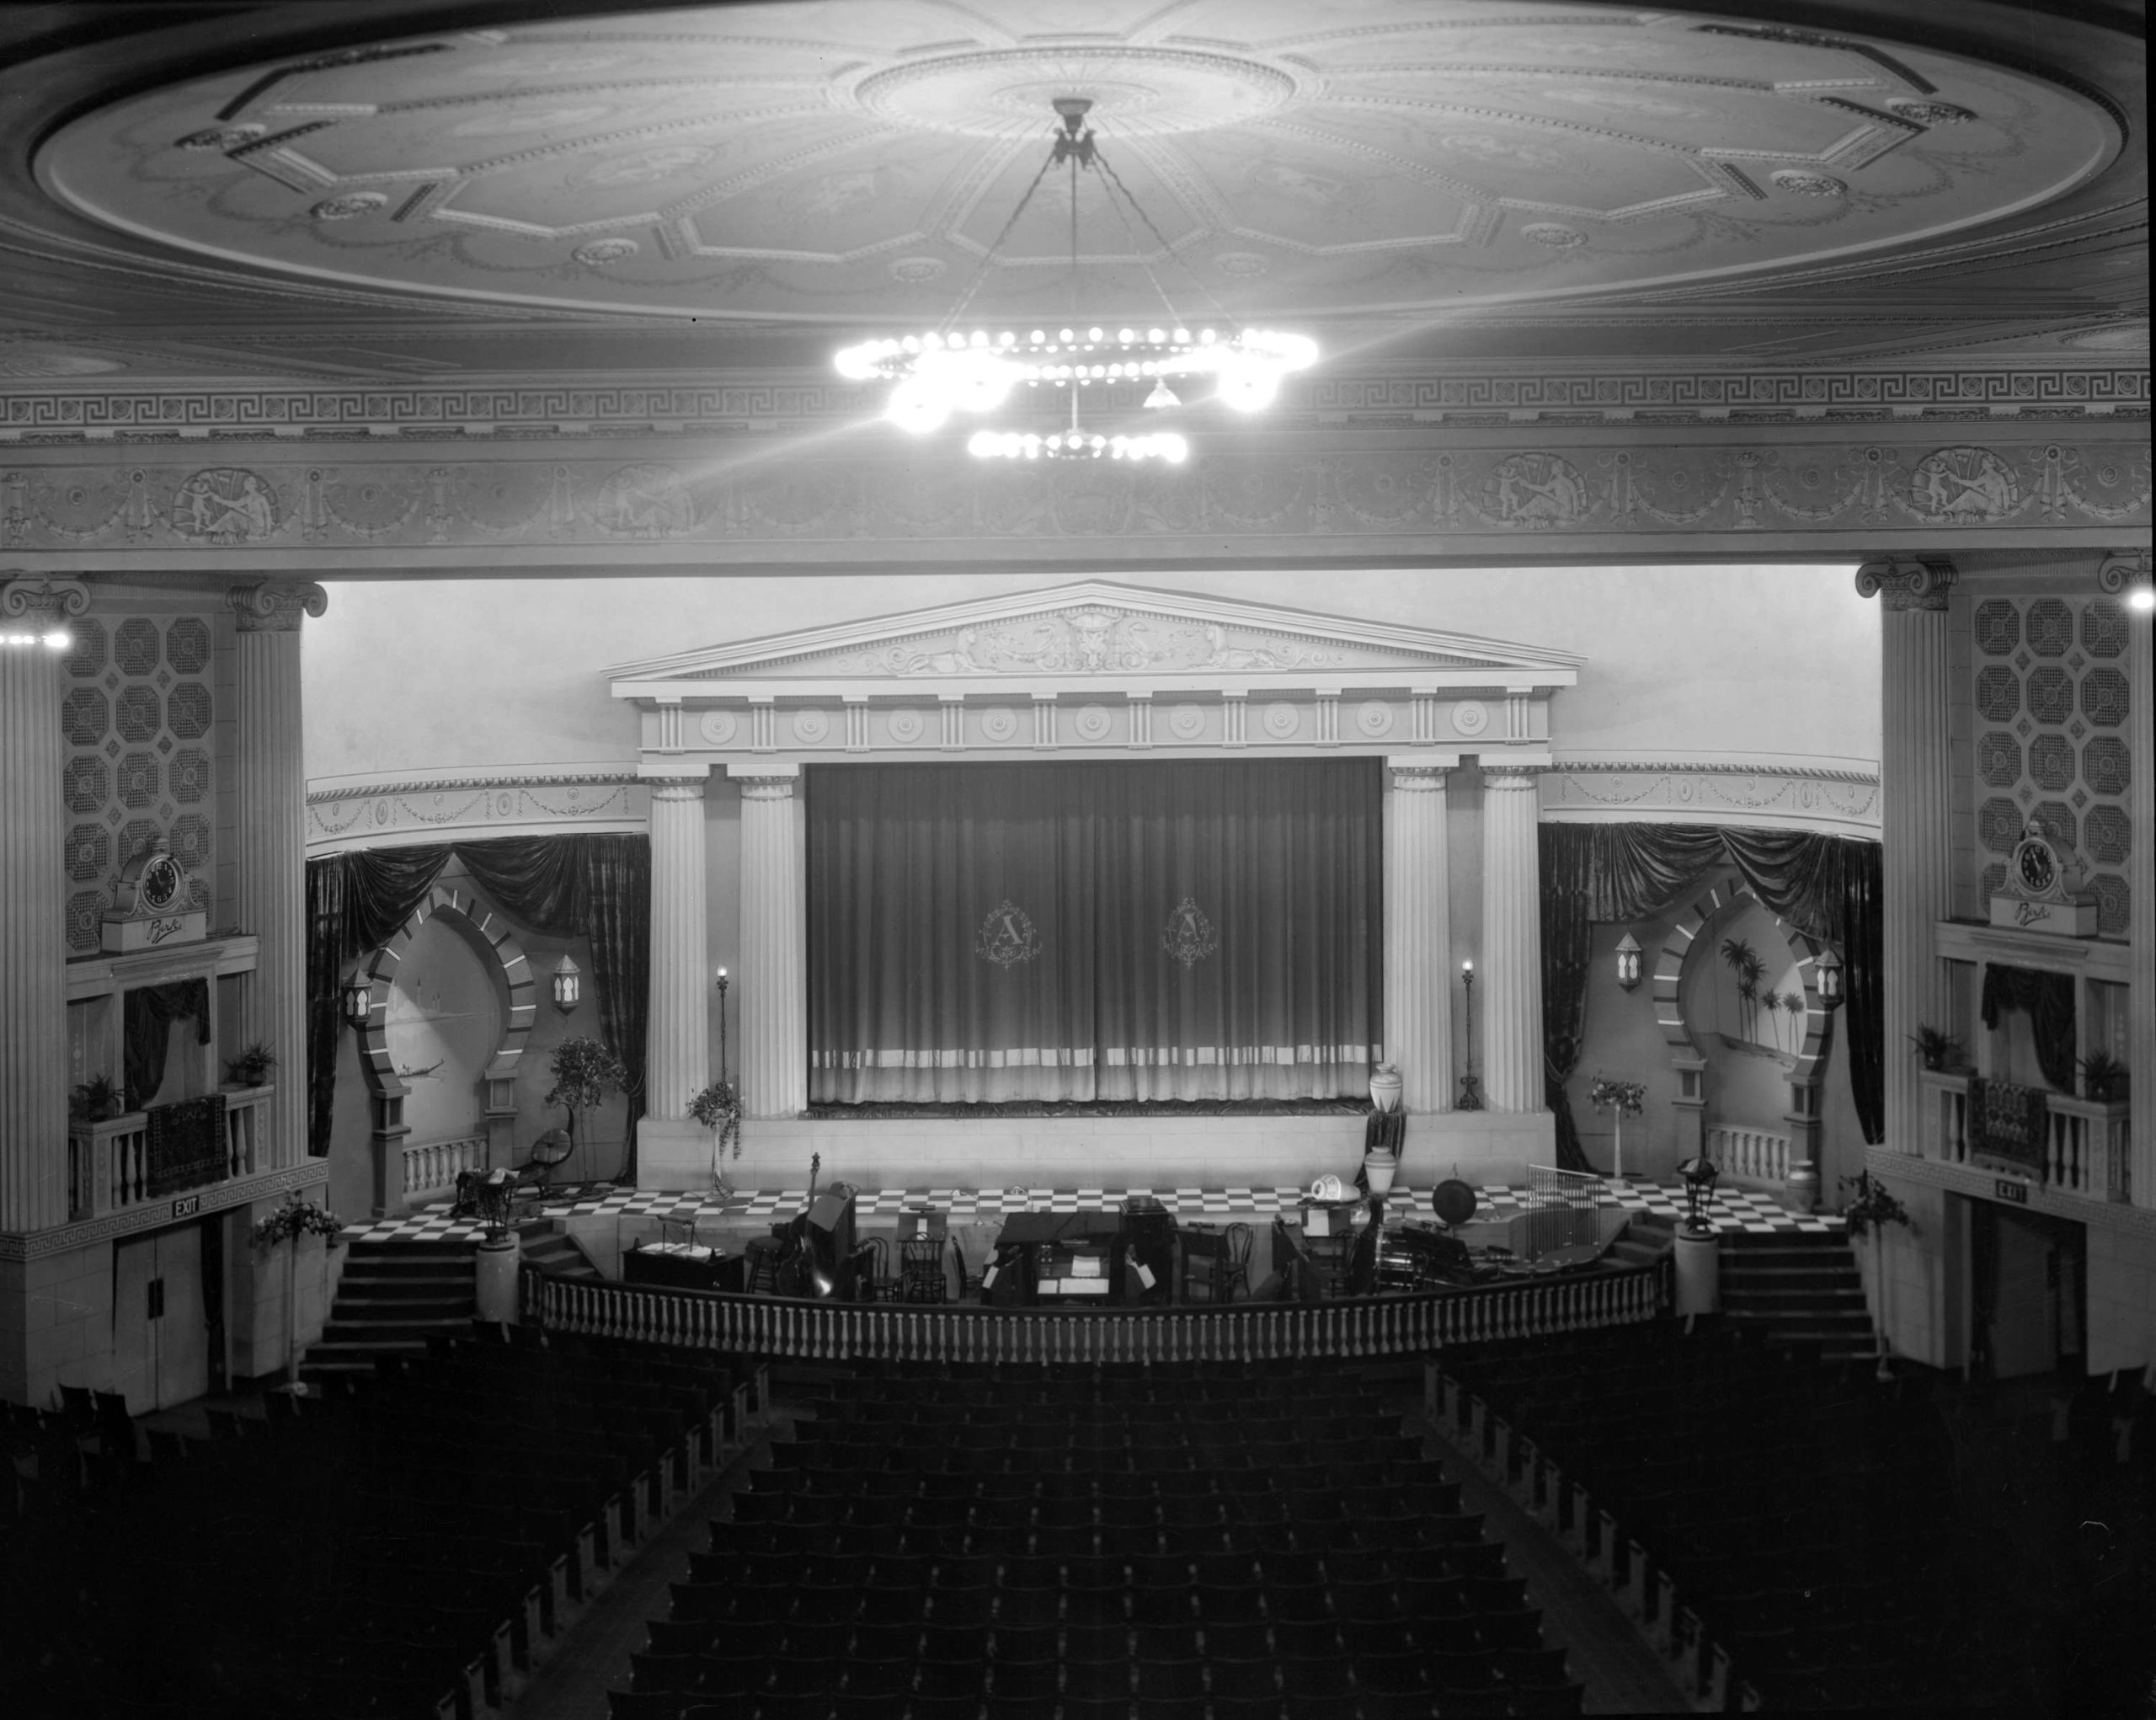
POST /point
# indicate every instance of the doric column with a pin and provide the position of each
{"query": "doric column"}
(1511, 976)
(33, 617)
(1418, 939)
(1916, 801)
(2127, 574)
(678, 1058)
(270, 774)
(773, 985)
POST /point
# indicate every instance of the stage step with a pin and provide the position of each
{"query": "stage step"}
(391, 1297)
(556, 1252)
(1799, 1288)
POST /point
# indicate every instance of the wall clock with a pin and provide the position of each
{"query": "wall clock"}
(150, 905)
(2044, 891)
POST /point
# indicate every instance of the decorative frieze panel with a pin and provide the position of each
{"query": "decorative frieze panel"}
(439, 810)
(1837, 800)
(1502, 489)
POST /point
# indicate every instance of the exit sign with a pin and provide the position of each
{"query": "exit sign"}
(2015, 1194)
(187, 1206)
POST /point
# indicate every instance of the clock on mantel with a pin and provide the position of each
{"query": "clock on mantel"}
(2043, 892)
(150, 907)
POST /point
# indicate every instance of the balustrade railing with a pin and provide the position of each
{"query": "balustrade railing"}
(247, 1129)
(433, 1168)
(1945, 1126)
(2088, 1148)
(1758, 1155)
(108, 1163)
(1367, 1325)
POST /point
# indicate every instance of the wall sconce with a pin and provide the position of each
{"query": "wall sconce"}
(1628, 962)
(355, 1000)
(568, 985)
(1827, 976)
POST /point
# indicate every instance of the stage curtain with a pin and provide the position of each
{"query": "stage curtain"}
(2048, 997)
(1162, 930)
(146, 1015)
(597, 887)
(1612, 874)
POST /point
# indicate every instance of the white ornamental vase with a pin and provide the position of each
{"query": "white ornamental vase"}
(1378, 1170)
(1385, 1087)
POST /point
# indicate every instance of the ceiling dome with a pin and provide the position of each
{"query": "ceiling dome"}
(853, 162)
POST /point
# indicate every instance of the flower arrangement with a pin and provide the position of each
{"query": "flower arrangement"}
(1628, 1098)
(1873, 1205)
(296, 1218)
(718, 1106)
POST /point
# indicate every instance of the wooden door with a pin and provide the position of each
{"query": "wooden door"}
(160, 1328)
(2025, 1317)
(134, 1268)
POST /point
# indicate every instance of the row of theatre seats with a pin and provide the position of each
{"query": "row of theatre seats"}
(1829, 1527)
(389, 1549)
(1245, 1543)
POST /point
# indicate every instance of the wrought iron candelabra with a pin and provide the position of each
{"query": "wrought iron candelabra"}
(1470, 1095)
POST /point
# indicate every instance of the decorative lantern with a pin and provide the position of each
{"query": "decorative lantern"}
(1699, 1174)
(1826, 973)
(356, 1000)
(568, 985)
(1628, 962)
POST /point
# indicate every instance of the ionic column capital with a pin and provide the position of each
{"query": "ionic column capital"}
(1907, 584)
(2121, 569)
(275, 606)
(1421, 779)
(43, 601)
(767, 787)
(1511, 777)
(676, 787)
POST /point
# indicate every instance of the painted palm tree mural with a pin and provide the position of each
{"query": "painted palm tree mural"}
(1743, 962)
(1767, 1003)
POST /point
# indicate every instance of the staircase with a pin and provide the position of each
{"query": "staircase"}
(1647, 1237)
(392, 1295)
(1800, 1288)
(556, 1252)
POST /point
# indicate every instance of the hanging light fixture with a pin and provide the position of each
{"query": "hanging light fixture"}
(356, 1000)
(1827, 976)
(568, 985)
(1628, 962)
(952, 370)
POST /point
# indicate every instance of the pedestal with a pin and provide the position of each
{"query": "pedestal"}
(1699, 1273)
(494, 1278)
(1512, 942)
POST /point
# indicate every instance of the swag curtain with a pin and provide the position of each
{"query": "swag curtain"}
(1829, 887)
(595, 887)
(1091, 932)
(145, 1022)
(2048, 997)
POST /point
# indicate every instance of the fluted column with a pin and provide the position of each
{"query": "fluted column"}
(270, 773)
(677, 1052)
(1418, 939)
(774, 985)
(1916, 802)
(1510, 977)
(2128, 575)
(33, 617)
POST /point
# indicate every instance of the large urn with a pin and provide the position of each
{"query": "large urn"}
(1385, 1087)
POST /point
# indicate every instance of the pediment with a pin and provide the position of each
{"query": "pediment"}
(1096, 629)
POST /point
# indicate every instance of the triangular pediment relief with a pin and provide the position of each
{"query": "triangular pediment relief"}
(1094, 628)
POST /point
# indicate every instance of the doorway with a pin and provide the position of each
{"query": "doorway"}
(2028, 1282)
(160, 1320)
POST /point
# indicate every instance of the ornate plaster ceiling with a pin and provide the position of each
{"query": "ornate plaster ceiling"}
(851, 161)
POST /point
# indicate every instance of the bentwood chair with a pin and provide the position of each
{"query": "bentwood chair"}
(921, 1270)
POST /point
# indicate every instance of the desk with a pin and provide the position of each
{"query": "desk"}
(1060, 1259)
(682, 1266)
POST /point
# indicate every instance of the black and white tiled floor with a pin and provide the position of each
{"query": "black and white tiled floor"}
(1731, 1210)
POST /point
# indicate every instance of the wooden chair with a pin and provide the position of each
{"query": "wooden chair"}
(881, 1285)
(969, 1278)
(1204, 1264)
(921, 1270)
(1234, 1273)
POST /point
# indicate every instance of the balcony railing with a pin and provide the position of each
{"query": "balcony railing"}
(433, 1168)
(2088, 1145)
(1945, 1123)
(1759, 1156)
(108, 1163)
(1367, 1326)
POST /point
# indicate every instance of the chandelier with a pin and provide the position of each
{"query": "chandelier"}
(951, 370)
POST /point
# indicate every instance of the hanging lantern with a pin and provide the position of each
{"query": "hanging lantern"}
(1827, 977)
(1628, 962)
(568, 985)
(355, 1000)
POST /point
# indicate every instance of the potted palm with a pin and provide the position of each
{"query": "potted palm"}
(251, 1068)
(2103, 1078)
(288, 1224)
(1935, 1049)
(98, 1099)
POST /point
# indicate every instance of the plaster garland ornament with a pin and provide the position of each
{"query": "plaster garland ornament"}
(275, 606)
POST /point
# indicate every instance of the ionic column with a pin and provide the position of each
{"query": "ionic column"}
(34, 614)
(1418, 939)
(1916, 801)
(2128, 575)
(677, 1056)
(270, 774)
(1511, 976)
(773, 987)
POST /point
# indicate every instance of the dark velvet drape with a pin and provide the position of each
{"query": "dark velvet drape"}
(2049, 999)
(1165, 930)
(594, 887)
(1602, 875)
(146, 1029)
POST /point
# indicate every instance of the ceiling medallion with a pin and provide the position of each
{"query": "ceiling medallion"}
(950, 369)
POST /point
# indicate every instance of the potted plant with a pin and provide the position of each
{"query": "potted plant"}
(1624, 1098)
(251, 1068)
(1936, 1049)
(98, 1099)
(718, 1105)
(2103, 1077)
(586, 1073)
(295, 1219)
(1869, 1212)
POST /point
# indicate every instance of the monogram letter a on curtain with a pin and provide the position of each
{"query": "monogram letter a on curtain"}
(1092, 931)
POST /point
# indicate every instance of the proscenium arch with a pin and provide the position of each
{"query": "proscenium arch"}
(493, 933)
(1719, 898)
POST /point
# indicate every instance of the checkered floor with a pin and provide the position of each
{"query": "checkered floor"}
(1734, 1209)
